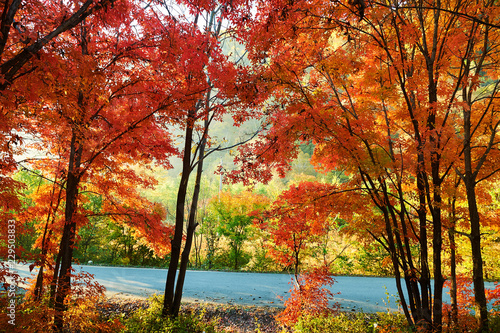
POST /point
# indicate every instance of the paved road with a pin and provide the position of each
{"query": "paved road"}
(261, 289)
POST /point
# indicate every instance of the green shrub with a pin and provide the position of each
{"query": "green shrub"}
(393, 322)
(354, 323)
(335, 323)
(150, 321)
(495, 323)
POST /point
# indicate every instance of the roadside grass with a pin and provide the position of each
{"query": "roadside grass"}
(150, 320)
(142, 316)
(205, 319)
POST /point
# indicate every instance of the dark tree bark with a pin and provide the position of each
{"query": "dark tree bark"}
(453, 275)
(191, 226)
(176, 242)
(38, 292)
(469, 178)
(63, 282)
(473, 164)
(436, 202)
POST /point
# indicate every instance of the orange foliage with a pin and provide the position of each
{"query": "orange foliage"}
(465, 301)
(82, 314)
(390, 96)
(303, 214)
(295, 224)
(297, 220)
(309, 296)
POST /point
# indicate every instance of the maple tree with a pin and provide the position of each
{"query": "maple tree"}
(479, 89)
(293, 226)
(226, 86)
(376, 88)
(25, 29)
(309, 296)
(102, 101)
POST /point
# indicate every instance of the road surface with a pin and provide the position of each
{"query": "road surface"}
(369, 294)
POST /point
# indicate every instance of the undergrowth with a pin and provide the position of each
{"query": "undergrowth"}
(150, 320)
(83, 316)
(353, 323)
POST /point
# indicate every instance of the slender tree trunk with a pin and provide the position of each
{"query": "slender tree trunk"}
(176, 242)
(39, 279)
(191, 226)
(469, 178)
(436, 202)
(397, 274)
(236, 254)
(404, 255)
(63, 282)
(437, 244)
(422, 191)
(198, 242)
(38, 292)
(425, 279)
(477, 261)
(394, 247)
(453, 276)
(411, 277)
(53, 283)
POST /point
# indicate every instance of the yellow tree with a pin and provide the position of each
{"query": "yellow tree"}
(235, 214)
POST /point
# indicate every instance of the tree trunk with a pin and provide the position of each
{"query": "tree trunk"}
(436, 203)
(63, 282)
(176, 242)
(425, 276)
(437, 244)
(191, 227)
(477, 261)
(453, 276)
(38, 292)
(53, 282)
(198, 243)
(469, 178)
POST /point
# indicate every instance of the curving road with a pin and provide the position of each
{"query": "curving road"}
(369, 294)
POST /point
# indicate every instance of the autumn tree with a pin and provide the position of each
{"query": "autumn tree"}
(97, 117)
(323, 102)
(223, 86)
(478, 89)
(26, 29)
(377, 89)
(235, 214)
(294, 224)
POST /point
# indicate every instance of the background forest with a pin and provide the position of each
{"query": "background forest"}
(226, 233)
(313, 137)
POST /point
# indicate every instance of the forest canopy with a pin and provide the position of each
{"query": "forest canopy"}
(312, 137)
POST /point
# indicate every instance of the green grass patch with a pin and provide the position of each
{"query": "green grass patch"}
(150, 321)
